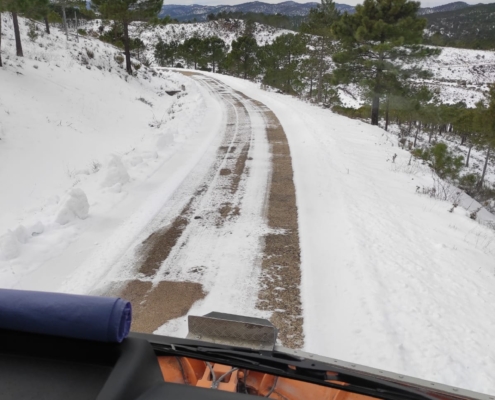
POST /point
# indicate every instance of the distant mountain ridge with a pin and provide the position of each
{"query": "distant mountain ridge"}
(458, 5)
(469, 27)
(200, 12)
(289, 8)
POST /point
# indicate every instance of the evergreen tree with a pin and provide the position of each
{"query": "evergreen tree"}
(139, 46)
(216, 51)
(125, 12)
(2, 9)
(377, 40)
(321, 18)
(281, 61)
(16, 7)
(64, 5)
(166, 53)
(465, 127)
(193, 51)
(321, 42)
(242, 61)
(39, 10)
(484, 122)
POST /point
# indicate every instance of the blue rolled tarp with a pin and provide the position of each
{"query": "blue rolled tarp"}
(102, 319)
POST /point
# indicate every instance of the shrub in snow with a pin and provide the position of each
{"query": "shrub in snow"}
(75, 206)
(441, 160)
(9, 246)
(116, 173)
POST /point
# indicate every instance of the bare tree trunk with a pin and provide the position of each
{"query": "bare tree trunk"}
(479, 185)
(77, 30)
(375, 110)
(18, 44)
(127, 48)
(387, 113)
(320, 70)
(469, 154)
(47, 25)
(65, 23)
(1, 65)
(417, 132)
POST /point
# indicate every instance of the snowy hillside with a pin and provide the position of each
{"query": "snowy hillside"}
(462, 74)
(458, 74)
(75, 132)
(391, 278)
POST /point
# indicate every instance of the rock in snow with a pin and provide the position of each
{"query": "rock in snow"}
(75, 206)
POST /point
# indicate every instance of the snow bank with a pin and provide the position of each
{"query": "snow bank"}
(75, 206)
(66, 107)
(9, 246)
(115, 173)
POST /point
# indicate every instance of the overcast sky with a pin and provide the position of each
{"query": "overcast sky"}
(425, 3)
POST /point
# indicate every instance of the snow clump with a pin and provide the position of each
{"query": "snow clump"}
(21, 234)
(75, 206)
(165, 140)
(116, 173)
(9, 246)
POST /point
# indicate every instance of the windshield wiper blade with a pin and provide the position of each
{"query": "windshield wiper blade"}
(294, 367)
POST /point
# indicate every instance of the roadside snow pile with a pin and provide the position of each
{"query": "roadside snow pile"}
(116, 173)
(75, 206)
(77, 136)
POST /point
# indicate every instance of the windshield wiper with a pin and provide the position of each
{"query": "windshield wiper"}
(294, 367)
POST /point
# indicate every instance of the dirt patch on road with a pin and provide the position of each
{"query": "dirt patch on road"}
(157, 247)
(281, 273)
(153, 306)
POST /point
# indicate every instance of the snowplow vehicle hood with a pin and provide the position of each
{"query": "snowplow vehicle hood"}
(61, 346)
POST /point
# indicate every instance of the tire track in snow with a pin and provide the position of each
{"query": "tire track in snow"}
(208, 257)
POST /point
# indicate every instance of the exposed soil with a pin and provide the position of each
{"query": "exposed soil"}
(153, 306)
(281, 273)
(159, 244)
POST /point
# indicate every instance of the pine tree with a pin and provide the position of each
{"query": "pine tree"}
(166, 53)
(193, 51)
(2, 9)
(281, 61)
(125, 12)
(216, 51)
(242, 61)
(16, 7)
(321, 40)
(377, 41)
(484, 122)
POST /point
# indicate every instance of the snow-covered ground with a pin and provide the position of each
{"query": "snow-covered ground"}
(76, 133)
(391, 278)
